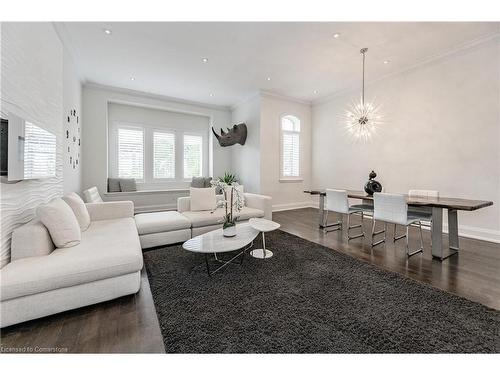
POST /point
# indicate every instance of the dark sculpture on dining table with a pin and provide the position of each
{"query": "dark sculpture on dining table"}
(372, 186)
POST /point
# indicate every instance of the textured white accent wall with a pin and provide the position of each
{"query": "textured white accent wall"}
(442, 133)
(31, 87)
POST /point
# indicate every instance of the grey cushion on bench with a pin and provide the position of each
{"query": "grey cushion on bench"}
(114, 185)
(128, 184)
(201, 182)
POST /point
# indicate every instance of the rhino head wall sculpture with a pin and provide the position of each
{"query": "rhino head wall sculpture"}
(236, 134)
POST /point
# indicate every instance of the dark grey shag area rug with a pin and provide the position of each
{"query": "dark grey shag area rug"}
(308, 299)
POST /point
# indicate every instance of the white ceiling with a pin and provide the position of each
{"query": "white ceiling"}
(166, 58)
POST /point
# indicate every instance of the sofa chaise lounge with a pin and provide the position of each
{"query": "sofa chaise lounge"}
(106, 264)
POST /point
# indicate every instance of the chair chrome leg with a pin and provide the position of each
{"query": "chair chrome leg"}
(349, 227)
(374, 233)
(421, 236)
(395, 238)
(325, 221)
(421, 249)
(337, 225)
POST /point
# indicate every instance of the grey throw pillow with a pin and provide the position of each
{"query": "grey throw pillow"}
(114, 185)
(198, 182)
(128, 184)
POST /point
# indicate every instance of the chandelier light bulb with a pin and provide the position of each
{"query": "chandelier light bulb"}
(363, 118)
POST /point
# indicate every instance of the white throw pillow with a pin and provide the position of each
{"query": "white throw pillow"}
(240, 189)
(202, 199)
(79, 209)
(30, 240)
(61, 222)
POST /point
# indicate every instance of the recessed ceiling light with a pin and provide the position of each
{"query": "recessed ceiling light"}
(315, 91)
(205, 60)
(132, 78)
(211, 94)
(387, 61)
(268, 78)
(336, 35)
(107, 31)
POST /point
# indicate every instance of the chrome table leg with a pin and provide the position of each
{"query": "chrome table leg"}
(452, 233)
(321, 211)
(437, 233)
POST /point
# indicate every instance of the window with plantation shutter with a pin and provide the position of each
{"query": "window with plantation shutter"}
(131, 153)
(290, 147)
(161, 149)
(163, 155)
(193, 155)
(39, 152)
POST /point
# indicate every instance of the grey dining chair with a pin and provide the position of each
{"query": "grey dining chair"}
(424, 213)
(393, 209)
(337, 201)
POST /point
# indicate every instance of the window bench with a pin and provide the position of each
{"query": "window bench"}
(149, 200)
(140, 192)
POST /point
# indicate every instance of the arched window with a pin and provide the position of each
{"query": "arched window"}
(290, 147)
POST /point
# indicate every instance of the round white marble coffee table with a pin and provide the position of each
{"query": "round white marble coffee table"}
(262, 225)
(215, 243)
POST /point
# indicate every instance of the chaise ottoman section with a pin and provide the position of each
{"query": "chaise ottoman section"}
(162, 228)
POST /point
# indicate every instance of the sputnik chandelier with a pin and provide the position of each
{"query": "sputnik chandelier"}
(363, 118)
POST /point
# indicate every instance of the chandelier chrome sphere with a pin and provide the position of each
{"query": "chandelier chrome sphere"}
(363, 118)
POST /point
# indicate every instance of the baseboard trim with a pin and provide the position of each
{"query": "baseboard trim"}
(477, 233)
(467, 231)
(291, 206)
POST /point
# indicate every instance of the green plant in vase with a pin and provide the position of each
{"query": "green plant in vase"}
(232, 202)
(228, 178)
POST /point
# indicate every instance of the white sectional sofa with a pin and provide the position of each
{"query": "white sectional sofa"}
(42, 280)
(106, 264)
(162, 228)
(168, 227)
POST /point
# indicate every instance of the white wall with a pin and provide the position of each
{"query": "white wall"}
(257, 163)
(72, 101)
(31, 87)
(95, 147)
(246, 159)
(442, 132)
(285, 194)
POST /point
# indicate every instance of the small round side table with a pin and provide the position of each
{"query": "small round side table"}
(262, 225)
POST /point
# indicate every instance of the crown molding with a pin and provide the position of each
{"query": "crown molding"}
(147, 95)
(425, 61)
(275, 95)
(64, 36)
(271, 95)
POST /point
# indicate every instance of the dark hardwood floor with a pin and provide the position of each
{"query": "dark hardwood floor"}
(474, 273)
(124, 325)
(129, 324)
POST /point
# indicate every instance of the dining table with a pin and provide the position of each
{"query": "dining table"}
(436, 205)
